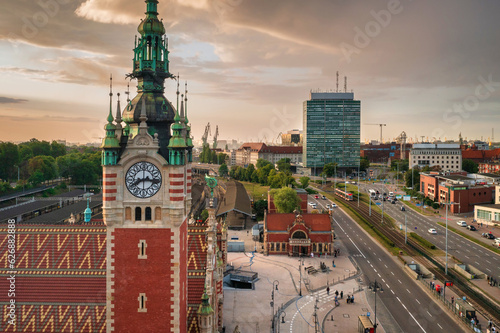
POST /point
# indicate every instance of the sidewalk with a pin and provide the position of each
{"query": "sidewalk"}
(251, 310)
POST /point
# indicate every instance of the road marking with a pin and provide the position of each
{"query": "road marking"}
(383, 280)
(439, 326)
(400, 281)
(379, 275)
(417, 301)
(411, 315)
(368, 261)
(408, 291)
(488, 269)
(392, 273)
(349, 238)
(375, 270)
(477, 263)
(429, 313)
(488, 261)
(386, 266)
(392, 291)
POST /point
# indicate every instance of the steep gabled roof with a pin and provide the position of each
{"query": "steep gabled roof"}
(280, 222)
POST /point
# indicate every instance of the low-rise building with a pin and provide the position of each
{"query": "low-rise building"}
(447, 156)
(298, 235)
(250, 152)
(465, 191)
(381, 153)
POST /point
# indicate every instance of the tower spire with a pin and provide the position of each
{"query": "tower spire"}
(110, 116)
(178, 92)
(186, 105)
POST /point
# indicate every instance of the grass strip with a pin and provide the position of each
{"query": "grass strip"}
(472, 239)
(366, 225)
(422, 241)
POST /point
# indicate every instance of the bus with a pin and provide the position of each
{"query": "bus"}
(344, 195)
(373, 193)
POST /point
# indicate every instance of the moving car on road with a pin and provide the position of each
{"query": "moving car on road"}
(432, 231)
(471, 228)
(462, 223)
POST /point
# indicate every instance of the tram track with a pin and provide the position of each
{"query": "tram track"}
(424, 257)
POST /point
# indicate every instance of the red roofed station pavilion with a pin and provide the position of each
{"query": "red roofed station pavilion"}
(298, 235)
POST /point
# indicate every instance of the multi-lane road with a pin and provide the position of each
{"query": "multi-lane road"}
(463, 249)
(406, 307)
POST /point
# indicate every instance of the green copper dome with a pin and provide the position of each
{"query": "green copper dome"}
(151, 26)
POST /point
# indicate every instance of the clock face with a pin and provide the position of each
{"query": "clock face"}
(143, 180)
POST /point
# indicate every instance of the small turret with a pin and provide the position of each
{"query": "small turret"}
(177, 144)
(205, 314)
(110, 144)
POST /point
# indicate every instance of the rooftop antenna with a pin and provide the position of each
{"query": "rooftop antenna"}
(422, 136)
(345, 83)
(337, 81)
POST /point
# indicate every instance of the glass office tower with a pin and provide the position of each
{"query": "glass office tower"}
(331, 130)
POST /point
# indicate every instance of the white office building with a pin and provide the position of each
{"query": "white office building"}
(448, 156)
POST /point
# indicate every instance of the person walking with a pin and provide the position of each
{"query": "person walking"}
(328, 290)
(341, 294)
(336, 293)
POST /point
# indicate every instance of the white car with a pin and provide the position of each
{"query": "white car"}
(432, 231)
(334, 205)
(462, 223)
(327, 206)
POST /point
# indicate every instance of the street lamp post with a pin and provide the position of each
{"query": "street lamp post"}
(370, 205)
(375, 287)
(446, 246)
(406, 230)
(301, 262)
(358, 186)
(275, 282)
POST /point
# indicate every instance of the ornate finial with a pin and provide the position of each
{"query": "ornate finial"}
(178, 92)
(186, 104)
(128, 92)
(211, 183)
(143, 117)
(118, 118)
(110, 116)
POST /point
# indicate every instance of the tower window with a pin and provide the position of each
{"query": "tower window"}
(142, 249)
(148, 214)
(142, 303)
(138, 214)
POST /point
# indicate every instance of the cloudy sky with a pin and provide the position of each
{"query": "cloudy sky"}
(429, 68)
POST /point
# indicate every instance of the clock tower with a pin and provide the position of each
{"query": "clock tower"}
(147, 195)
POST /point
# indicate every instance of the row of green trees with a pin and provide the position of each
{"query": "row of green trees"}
(329, 169)
(37, 161)
(211, 156)
(264, 173)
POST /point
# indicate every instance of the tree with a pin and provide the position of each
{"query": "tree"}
(329, 169)
(284, 165)
(57, 149)
(364, 164)
(46, 165)
(221, 158)
(262, 163)
(223, 170)
(416, 178)
(304, 181)
(206, 154)
(470, 166)
(286, 200)
(263, 173)
(232, 172)
(204, 215)
(84, 173)
(258, 207)
(9, 159)
(249, 172)
(401, 165)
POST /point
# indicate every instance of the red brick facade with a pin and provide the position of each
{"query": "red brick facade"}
(298, 234)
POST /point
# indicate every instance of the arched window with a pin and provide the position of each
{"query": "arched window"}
(148, 214)
(299, 235)
(138, 214)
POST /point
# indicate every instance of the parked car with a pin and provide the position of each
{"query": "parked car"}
(488, 235)
(403, 208)
(462, 223)
(432, 231)
(471, 228)
(393, 202)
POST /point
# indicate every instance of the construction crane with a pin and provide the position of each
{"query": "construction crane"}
(278, 139)
(381, 125)
(216, 136)
(204, 138)
(401, 139)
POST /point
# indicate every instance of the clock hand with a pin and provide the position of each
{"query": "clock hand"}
(138, 181)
